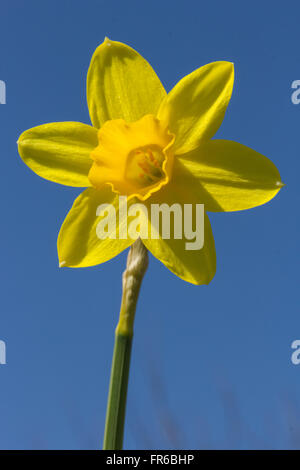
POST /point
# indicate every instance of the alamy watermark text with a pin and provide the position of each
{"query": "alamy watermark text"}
(178, 222)
(2, 92)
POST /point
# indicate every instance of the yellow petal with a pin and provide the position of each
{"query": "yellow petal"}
(78, 243)
(121, 84)
(195, 108)
(59, 151)
(194, 266)
(227, 176)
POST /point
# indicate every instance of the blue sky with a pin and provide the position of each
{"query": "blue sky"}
(211, 365)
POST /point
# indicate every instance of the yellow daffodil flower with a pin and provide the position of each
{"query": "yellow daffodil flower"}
(152, 147)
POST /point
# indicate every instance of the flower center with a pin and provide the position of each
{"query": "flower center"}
(135, 159)
(144, 166)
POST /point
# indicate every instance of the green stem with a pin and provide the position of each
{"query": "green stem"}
(137, 263)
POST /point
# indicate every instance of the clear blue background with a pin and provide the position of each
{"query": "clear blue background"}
(211, 365)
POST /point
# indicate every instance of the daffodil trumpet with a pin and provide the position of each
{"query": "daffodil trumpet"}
(153, 148)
